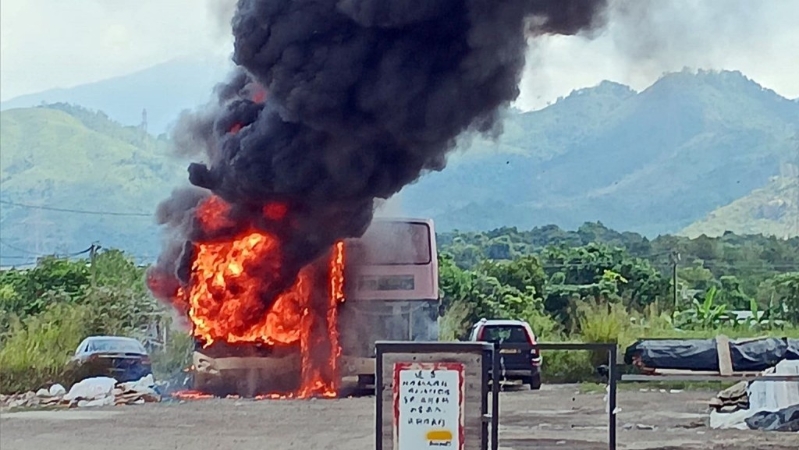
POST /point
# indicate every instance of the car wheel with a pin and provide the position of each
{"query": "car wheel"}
(535, 381)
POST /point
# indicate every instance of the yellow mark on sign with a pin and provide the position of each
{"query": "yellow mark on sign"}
(439, 435)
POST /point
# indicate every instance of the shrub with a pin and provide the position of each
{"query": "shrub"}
(602, 323)
(174, 357)
(36, 350)
(571, 366)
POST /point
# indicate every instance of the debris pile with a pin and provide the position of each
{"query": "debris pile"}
(731, 399)
(91, 392)
(760, 404)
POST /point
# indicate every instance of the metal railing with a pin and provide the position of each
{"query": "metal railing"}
(613, 379)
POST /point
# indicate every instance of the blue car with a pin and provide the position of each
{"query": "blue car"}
(122, 358)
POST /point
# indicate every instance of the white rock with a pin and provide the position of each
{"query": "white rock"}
(57, 390)
(43, 393)
(144, 385)
(91, 389)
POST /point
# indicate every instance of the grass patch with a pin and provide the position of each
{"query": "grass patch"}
(566, 366)
(699, 386)
(36, 349)
(611, 323)
(175, 357)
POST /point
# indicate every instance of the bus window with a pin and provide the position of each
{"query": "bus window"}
(393, 243)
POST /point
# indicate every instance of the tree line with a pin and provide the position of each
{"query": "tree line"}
(593, 284)
(550, 272)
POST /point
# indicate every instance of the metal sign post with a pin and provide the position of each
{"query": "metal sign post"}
(432, 394)
(436, 394)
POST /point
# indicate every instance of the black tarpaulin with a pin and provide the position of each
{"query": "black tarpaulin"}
(786, 419)
(752, 355)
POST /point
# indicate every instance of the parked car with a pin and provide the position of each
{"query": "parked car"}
(122, 358)
(516, 364)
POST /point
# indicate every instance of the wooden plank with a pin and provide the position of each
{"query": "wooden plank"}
(709, 376)
(725, 359)
(658, 372)
(206, 363)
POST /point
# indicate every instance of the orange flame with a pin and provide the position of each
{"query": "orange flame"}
(190, 395)
(260, 96)
(275, 211)
(225, 304)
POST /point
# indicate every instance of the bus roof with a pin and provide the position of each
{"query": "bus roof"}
(402, 219)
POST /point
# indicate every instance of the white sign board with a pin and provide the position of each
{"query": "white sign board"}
(428, 406)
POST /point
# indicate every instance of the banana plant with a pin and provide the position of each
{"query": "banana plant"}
(759, 319)
(704, 314)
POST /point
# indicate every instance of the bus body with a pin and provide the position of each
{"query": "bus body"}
(391, 289)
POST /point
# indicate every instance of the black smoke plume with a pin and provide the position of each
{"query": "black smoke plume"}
(336, 103)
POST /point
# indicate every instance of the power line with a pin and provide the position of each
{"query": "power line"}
(76, 211)
(13, 247)
(39, 255)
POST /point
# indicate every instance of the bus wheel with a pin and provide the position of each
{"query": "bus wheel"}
(364, 381)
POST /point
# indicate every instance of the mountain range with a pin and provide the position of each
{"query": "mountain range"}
(163, 91)
(696, 152)
(771, 210)
(71, 177)
(652, 162)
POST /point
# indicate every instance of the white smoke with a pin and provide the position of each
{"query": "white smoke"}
(647, 38)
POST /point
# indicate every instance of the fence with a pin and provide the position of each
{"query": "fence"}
(401, 367)
(611, 350)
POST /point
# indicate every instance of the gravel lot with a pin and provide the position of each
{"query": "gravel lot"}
(555, 417)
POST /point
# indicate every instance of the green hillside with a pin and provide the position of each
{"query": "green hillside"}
(771, 210)
(64, 157)
(653, 162)
(163, 91)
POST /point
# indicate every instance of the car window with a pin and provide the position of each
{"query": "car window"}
(81, 348)
(514, 334)
(115, 345)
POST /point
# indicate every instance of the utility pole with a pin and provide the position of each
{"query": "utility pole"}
(674, 258)
(143, 125)
(92, 257)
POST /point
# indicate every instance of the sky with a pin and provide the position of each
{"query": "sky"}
(62, 43)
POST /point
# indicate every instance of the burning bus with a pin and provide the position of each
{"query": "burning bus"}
(382, 286)
(391, 288)
(331, 107)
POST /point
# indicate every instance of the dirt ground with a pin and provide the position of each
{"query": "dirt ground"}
(557, 417)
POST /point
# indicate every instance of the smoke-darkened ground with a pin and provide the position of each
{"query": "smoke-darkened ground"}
(553, 418)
